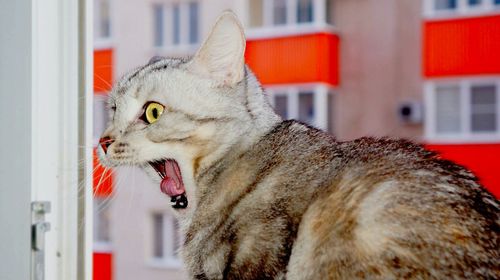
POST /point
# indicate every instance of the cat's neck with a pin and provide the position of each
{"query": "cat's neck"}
(236, 136)
(229, 173)
(232, 148)
(239, 135)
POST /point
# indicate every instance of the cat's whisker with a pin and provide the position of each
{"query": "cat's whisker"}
(110, 197)
(104, 178)
(102, 80)
(104, 204)
(82, 184)
(103, 175)
(81, 192)
(86, 147)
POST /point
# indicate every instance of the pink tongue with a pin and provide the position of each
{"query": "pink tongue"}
(172, 184)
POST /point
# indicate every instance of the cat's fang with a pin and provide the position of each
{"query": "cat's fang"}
(159, 167)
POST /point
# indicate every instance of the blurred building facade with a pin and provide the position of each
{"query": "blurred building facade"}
(427, 70)
(461, 89)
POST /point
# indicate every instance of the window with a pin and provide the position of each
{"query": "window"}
(308, 104)
(289, 12)
(458, 7)
(158, 236)
(166, 240)
(483, 108)
(102, 21)
(306, 107)
(329, 11)
(279, 12)
(331, 116)
(463, 110)
(474, 2)
(304, 11)
(281, 105)
(447, 115)
(193, 23)
(101, 224)
(177, 25)
(158, 25)
(445, 4)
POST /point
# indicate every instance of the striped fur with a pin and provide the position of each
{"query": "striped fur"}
(273, 199)
(300, 204)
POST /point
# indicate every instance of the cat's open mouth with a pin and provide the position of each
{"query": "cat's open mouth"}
(171, 182)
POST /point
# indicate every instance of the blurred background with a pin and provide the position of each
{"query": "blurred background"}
(427, 70)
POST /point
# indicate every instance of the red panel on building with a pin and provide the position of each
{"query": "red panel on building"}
(482, 159)
(102, 178)
(465, 46)
(295, 59)
(103, 70)
(102, 266)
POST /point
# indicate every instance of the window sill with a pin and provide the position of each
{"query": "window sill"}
(289, 30)
(103, 43)
(301, 86)
(166, 263)
(102, 247)
(448, 15)
(463, 139)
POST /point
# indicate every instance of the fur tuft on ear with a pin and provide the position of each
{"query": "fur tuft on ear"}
(221, 56)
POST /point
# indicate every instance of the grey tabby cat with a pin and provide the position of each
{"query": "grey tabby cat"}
(262, 198)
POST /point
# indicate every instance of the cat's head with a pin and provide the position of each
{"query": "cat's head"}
(176, 117)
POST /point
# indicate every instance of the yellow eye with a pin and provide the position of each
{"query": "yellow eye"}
(153, 112)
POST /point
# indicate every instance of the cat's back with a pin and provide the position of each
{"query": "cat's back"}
(303, 204)
(392, 209)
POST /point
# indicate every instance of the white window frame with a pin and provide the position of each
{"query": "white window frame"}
(50, 79)
(465, 135)
(463, 9)
(169, 260)
(292, 27)
(320, 92)
(185, 47)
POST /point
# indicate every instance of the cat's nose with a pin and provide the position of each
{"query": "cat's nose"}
(104, 142)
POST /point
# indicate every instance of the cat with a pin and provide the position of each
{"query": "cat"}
(262, 198)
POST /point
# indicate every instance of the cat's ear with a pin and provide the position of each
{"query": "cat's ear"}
(221, 56)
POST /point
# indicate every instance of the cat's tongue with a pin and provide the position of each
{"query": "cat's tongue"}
(172, 184)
